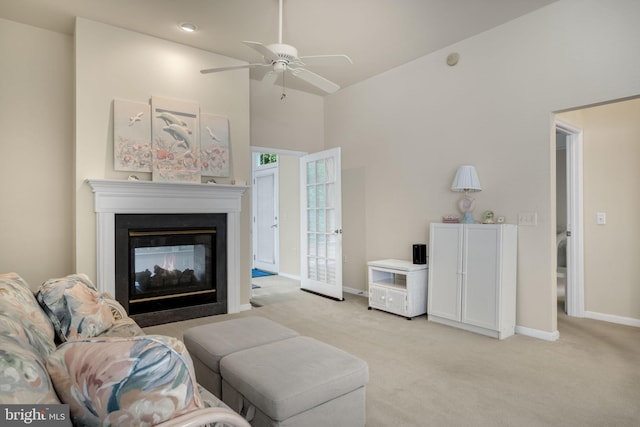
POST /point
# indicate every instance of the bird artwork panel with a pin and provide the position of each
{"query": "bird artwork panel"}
(175, 146)
(215, 153)
(131, 136)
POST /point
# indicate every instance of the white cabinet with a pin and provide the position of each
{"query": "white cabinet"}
(472, 277)
(398, 286)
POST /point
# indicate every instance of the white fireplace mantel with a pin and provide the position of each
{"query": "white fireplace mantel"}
(130, 197)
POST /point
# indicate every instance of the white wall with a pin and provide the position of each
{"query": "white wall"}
(36, 177)
(115, 63)
(295, 123)
(289, 223)
(404, 133)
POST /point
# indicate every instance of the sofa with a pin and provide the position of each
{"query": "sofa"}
(68, 343)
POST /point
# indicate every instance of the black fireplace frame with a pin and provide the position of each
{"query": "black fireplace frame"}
(124, 223)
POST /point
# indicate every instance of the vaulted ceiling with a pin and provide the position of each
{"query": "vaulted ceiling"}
(376, 34)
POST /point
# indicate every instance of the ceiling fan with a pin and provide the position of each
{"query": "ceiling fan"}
(282, 58)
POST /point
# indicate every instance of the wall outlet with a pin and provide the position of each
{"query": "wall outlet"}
(528, 219)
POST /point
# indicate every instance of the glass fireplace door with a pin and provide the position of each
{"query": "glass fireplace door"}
(168, 267)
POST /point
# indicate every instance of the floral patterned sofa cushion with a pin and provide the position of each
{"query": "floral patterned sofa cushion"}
(75, 307)
(138, 381)
(23, 377)
(30, 325)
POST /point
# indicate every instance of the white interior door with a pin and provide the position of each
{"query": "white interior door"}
(321, 223)
(265, 236)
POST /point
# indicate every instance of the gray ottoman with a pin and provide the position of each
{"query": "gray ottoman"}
(209, 343)
(296, 382)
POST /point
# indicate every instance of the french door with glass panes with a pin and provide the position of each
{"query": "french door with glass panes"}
(321, 223)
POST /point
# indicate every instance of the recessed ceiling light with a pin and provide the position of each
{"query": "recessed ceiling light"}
(188, 27)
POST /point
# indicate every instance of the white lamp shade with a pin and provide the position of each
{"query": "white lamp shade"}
(466, 180)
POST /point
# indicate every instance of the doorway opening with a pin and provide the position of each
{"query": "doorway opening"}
(569, 219)
(307, 229)
(276, 210)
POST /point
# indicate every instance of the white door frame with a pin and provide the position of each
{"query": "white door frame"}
(272, 266)
(575, 217)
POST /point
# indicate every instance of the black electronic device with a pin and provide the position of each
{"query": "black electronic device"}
(419, 253)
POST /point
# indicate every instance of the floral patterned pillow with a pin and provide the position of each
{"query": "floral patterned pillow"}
(30, 325)
(75, 307)
(138, 381)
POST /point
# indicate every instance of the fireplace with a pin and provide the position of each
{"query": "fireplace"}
(116, 198)
(171, 267)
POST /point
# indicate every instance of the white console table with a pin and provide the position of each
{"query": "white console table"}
(398, 286)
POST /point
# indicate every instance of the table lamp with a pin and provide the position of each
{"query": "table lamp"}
(466, 181)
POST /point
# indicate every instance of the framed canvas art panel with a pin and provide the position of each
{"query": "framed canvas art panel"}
(175, 140)
(131, 136)
(215, 148)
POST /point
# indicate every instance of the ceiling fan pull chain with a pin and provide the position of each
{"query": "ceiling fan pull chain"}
(284, 95)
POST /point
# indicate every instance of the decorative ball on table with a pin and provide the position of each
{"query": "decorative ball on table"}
(488, 217)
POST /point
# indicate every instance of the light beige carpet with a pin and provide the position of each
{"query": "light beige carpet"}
(425, 374)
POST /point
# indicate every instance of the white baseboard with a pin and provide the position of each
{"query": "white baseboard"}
(553, 336)
(354, 291)
(612, 318)
(245, 307)
(537, 333)
(289, 276)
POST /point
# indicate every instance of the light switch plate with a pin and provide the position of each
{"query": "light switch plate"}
(601, 218)
(528, 219)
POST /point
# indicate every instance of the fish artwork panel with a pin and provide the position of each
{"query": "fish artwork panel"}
(131, 136)
(215, 148)
(175, 146)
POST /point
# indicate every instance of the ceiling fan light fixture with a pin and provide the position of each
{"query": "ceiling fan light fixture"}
(188, 27)
(279, 66)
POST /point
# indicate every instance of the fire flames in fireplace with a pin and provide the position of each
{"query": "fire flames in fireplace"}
(166, 275)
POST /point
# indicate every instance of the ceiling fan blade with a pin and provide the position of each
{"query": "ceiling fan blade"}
(270, 77)
(263, 50)
(234, 67)
(326, 60)
(314, 79)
